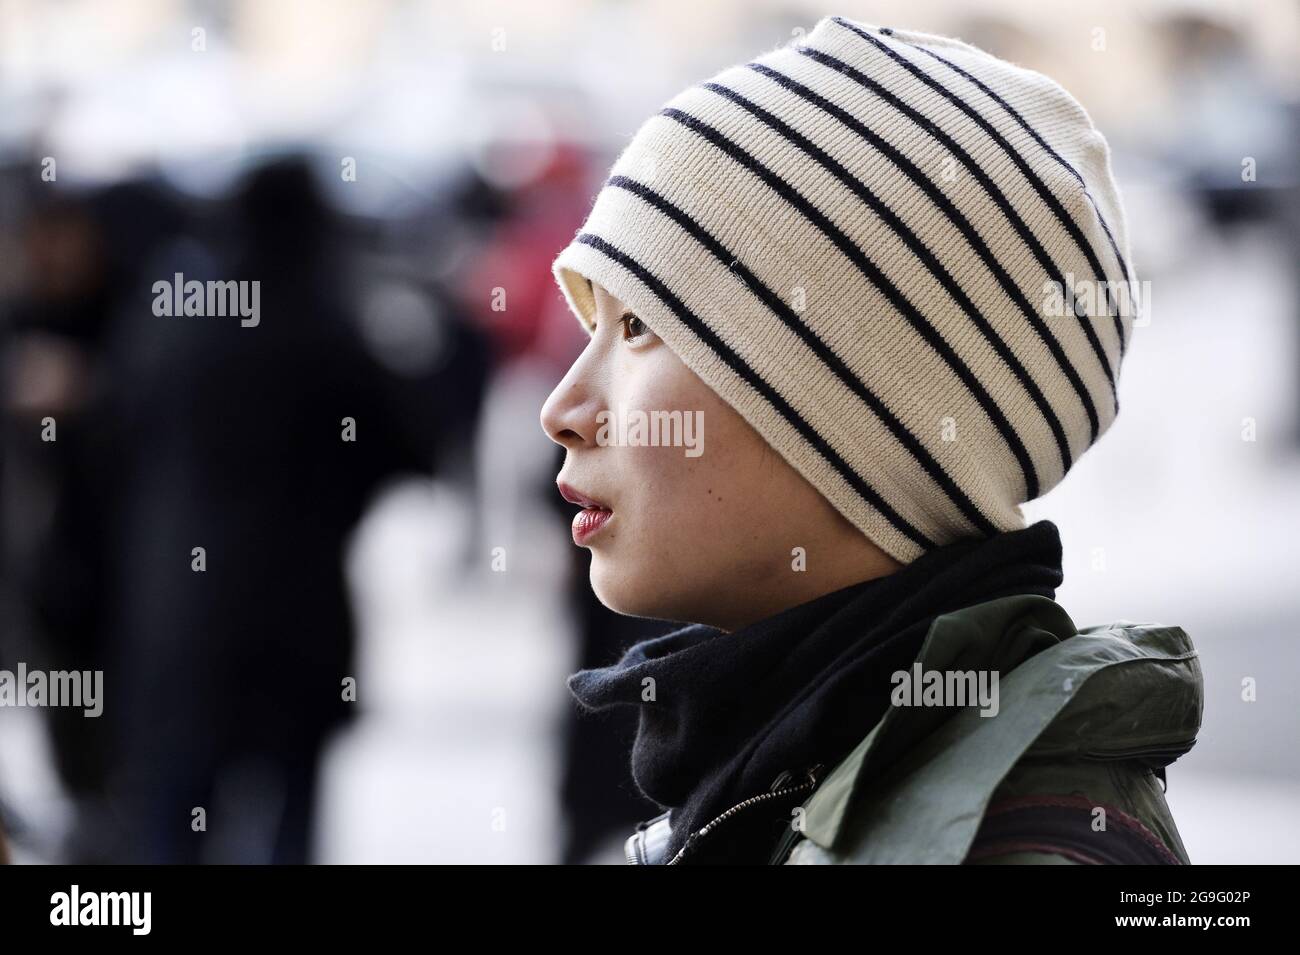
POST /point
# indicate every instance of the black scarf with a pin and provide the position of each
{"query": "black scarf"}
(732, 711)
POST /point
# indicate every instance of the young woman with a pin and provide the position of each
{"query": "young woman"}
(850, 305)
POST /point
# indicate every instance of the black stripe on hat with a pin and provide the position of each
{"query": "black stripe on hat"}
(963, 225)
(770, 394)
(877, 278)
(823, 351)
(991, 188)
(1048, 197)
(919, 249)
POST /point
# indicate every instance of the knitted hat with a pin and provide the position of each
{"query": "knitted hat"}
(889, 252)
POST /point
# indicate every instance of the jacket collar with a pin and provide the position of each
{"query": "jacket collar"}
(1120, 690)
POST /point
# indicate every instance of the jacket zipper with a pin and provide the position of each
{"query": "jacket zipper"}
(694, 838)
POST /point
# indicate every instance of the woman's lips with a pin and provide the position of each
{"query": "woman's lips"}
(589, 521)
(593, 516)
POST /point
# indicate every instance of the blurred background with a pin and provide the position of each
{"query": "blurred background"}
(400, 175)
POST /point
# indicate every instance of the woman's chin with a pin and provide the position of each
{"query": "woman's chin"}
(631, 598)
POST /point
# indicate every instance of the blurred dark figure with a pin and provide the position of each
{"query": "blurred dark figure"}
(261, 445)
(53, 495)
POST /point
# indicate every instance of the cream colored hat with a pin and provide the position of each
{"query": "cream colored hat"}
(902, 260)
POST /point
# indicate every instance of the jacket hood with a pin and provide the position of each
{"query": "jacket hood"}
(1116, 691)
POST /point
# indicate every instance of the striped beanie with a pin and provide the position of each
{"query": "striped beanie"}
(902, 260)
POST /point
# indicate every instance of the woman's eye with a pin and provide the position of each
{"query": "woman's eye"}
(633, 327)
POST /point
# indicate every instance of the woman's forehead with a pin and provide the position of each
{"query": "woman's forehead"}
(598, 290)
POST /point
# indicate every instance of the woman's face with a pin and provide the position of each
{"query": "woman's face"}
(702, 526)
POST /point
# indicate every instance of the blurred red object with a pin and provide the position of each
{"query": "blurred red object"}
(509, 287)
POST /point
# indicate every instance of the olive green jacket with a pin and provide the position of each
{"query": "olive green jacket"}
(1086, 719)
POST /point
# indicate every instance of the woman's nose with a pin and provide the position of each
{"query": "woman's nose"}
(569, 414)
